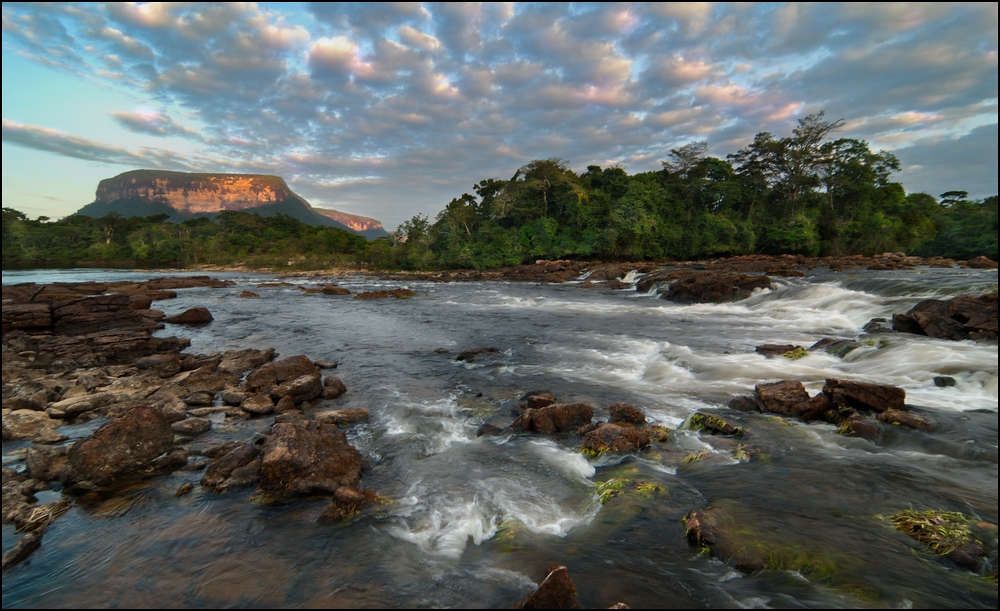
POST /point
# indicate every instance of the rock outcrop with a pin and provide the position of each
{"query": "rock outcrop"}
(963, 317)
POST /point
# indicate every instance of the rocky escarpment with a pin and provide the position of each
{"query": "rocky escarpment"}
(182, 195)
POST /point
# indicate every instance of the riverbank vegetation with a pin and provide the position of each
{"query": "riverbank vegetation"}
(808, 193)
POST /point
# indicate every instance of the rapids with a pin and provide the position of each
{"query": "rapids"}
(477, 521)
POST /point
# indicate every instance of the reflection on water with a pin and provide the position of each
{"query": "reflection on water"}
(477, 521)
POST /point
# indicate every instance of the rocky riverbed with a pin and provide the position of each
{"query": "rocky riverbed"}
(757, 431)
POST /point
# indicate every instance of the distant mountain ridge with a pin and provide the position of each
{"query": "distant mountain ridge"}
(184, 195)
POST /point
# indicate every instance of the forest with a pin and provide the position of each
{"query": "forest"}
(807, 193)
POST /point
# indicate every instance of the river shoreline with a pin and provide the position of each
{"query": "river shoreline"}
(666, 479)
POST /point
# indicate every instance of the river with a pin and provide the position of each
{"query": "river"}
(471, 521)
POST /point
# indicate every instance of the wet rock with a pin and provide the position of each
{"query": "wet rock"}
(26, 424)
(557, 591)
(25, 546)
(184, 488)
(782, 397)
(837, 347)
(193, 316)
(614, 438)
(864, 396)
(712, 424)
(303, 388)
(964, 317)
(222, 449)
(971, 555)
(233, 397)
(199, 398)
(278, 372)
(709, 529)
(878, 325)
(259, 404)
(475, 353)
(534, 400)
(301, 458)
(346, 503)
(981, 262)
(341, 417)
(743, 404)
(555, 418)
(285, 404)
(907, 419)
(249, 295)
(944, 381)
(715, 288)
(325, 364)
(397, 293)
(163, 365)
(237, 362)
(339, 290)
(191, 426)
(625, 413)
(292, 415)
(864, 429)
(28, 317)
(45, 462)
(333, 387)
(121, 445)
(489, 430)
(49, 436)
(35, 402)
(238, 468)
(771, 350)
(171, 461)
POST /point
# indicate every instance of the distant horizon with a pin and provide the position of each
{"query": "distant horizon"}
(387, 111)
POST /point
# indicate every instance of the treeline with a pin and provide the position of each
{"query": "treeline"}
(231, 238)
(807, 193)
(804, 194)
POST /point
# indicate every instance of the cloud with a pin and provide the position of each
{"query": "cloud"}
(392, 109)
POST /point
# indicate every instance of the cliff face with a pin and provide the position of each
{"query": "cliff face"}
(182, 195)
(195, 193)
(353, 221)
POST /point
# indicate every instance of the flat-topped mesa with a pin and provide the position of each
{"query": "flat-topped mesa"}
(352, 221)
(194, 193)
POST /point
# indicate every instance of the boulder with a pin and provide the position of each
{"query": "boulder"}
(233, 397)
(284, 404)
(743, 404)
(865, 429)
(981, 262)
(193, 316)
(397, 293)
(715, 288)
(781, 397)
(711, 529)
(964, 317)
(626, 414)
(238, 468)
(172, 408)
(864, 396)
(346, 503)
(303, 388)
(341, 417)
(191, 426)
(199, 398)
(557, 591)
(555, 418)
(713, 425)
(26, 424)
(249, 295)
(944, 381)
(45, 462)
(304, 458)
(614, 438)
(333, 387)
(534, 400)
(258, 404)
(28, 317)
(121, 445)
(238, 362)
(277, 372)
(163, 365)
(907, 419)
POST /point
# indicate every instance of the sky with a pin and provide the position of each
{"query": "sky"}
(389, 110)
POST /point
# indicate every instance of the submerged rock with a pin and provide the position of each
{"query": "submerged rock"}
(555, 418)
(121, 446)
(557, 591)
(712, 424)
(907, 419)
(865, 429)
(771, 350)
(471, 355)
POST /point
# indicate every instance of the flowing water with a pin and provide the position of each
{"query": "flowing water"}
(476, 522)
